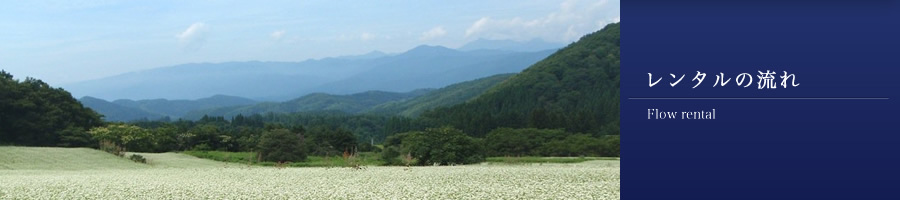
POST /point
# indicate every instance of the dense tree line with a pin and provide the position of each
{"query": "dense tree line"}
(548, 142)
(240, 133)
(34, 114)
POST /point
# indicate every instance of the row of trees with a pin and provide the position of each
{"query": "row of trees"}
(447, 145)
(548, 142)
(274, 142)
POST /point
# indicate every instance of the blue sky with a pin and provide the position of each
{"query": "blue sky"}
(63, 42)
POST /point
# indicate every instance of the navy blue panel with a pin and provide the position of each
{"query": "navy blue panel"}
(821, 144)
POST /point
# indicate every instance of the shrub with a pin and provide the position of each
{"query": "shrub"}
(391, 155)
(366, 147)
(112, 147)
(137, 158)
(610, 145)
(201, 147)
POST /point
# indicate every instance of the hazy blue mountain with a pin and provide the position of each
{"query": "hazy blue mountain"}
(434, 67)
(352, 103)
(420, 67)
(258, 80)
(447, 96)
(116, 112)
(410, 103)
(129, 110)
(370, 55)
(510, 45)
(178, 108)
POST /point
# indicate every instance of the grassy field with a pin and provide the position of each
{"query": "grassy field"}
(49, 158)
(77, 173)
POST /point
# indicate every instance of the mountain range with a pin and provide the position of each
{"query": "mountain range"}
(421, 67)
(351, 103)
(408, 104)
(376, 82)
(129, 110)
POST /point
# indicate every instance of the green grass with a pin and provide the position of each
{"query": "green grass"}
(177, 160)
(58, 158)
(55, 158)
(224, 156)
(524, 160)
(364, 158)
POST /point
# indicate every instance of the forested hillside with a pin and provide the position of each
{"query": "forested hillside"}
(178, 108)
(116, 112)
(409, 104)
(36, 114)
(576, 88)
(352, 103)
(447, 96)
(124, 110)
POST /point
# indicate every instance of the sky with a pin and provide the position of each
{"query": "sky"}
(68, 41)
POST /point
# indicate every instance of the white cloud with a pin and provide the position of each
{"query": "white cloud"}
(478, 26)
(194, 36)
(277, 35)
(366, 36)
(435, 32)
(573, 19)
(196, 30)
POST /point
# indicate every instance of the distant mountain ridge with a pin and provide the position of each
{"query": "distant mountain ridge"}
(420, 67)
(153, 109)
(178, 108)
(434, 67)
(408, 104)
(116, 112)
(352, 103)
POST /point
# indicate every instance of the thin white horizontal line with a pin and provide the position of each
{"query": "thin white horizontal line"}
(759, 98)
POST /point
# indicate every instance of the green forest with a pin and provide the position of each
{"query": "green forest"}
(564, 105)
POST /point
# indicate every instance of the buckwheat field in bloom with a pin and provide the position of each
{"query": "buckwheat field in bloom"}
(177, 176)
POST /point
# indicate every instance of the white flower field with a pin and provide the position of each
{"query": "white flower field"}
(597, 179)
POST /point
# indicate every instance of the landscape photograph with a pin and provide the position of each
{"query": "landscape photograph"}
(310, 100)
